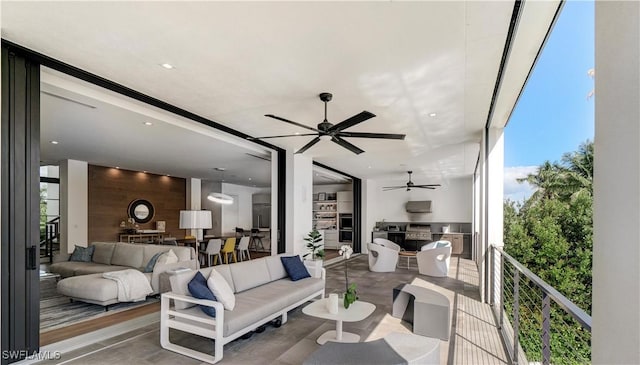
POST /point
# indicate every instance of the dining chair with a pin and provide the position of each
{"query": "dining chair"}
(243, 248)
(213, 249)
(229, 249)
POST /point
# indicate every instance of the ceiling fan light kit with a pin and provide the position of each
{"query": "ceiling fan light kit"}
(410, 185)
(326, 131)
(220, 198)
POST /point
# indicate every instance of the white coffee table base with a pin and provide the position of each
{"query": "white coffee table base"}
(332, 336)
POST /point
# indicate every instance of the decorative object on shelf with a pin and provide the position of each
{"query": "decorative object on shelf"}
(314, 244)
(350, 295)
(129, 226)
(141, 211)
(161, 226)
(220, 198)
(322, 196)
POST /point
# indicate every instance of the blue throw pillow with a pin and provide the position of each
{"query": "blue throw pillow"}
(152, 263)
(82, 254)
(199, 289)
(294, 267)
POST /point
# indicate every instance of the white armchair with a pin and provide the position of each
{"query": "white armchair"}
(433, 259)
(381, 258)
(386, 243)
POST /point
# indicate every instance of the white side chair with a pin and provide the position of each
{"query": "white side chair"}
(386, 243)
(243, 248)
(434, 261)
(213, 249)
(381, 258)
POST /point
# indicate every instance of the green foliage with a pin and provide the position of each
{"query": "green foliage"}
(350, 295)
(314, 244)
(552, 235)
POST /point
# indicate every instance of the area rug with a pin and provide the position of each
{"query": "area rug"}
(58, 311)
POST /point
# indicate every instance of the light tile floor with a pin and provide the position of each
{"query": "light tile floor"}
(474, 337)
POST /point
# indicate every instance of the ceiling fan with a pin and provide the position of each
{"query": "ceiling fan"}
(409, 185)
(326, 131)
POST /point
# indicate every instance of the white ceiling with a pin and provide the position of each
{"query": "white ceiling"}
(236, 61)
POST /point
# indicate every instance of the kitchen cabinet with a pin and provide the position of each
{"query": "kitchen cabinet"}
(345, 201)
(379, 234)
(325, 214)
(456, 240)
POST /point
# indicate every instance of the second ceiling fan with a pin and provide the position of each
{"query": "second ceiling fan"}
(334, 132)
(410, 185)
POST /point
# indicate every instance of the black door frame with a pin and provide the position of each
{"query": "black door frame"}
(20, 201)
(357, 205)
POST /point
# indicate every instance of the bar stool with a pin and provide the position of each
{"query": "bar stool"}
(256, 238)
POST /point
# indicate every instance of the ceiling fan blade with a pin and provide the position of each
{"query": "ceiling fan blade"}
(286, 135)
(358, 118)
(308, 145)
(425, 185)
(393, 187)
(347, 145)
(291, 122)
(371, 135)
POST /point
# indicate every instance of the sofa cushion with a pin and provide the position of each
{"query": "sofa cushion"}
(82, 254)
(103, 252)
(93, 268)
(249, 274)
(152, 262)
(265, 300)
(199, 289)
(66, 268)
(168, 257)
(276, 269)
(221, 290)
(294, 267)
(126, 254)
(225, 271)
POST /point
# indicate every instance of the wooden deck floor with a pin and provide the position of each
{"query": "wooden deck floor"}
(474, 337)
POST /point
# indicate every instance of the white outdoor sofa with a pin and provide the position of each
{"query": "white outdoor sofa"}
(263, 292)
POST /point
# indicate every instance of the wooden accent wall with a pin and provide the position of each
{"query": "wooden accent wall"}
(111, 190)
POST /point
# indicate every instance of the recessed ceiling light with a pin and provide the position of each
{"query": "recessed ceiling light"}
(249, 179)
(168, 175)
(369, 166)
(147, 123)
(54, 142)
(219, 168)
(297, 133)
(432, 115)
(144, 172)
(168, 66)
(118, 167)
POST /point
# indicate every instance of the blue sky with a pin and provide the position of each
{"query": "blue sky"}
(553, 115)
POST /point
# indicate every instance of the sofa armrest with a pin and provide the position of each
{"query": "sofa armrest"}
(160, 268)
(184, 298)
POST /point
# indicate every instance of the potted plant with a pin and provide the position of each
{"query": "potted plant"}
(314, 245)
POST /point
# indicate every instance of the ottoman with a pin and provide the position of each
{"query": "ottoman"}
(91, 288)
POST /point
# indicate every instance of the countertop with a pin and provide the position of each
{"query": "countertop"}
(431, 232)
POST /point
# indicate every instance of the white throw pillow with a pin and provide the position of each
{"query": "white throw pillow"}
(221, 289)
(168, 257)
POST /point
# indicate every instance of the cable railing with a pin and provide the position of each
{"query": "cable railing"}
(539, 325)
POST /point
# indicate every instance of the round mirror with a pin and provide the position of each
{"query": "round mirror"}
(141, 211)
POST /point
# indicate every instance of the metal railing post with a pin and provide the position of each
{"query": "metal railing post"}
(501, 291)
(516, 314)
(546, 329)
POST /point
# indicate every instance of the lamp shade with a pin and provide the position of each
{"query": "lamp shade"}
(195, 219)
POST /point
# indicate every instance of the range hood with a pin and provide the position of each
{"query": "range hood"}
(419, 206)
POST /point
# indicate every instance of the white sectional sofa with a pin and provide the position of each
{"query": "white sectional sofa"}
(263, 292)
(83, 281)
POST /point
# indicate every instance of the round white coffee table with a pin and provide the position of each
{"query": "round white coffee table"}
(357, 311)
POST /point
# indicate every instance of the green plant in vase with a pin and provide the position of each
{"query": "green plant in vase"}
(350, 295)
(314, 244)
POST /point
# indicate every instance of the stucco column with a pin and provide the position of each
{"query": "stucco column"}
(616, 214)
(74, 205)
(299, 201)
